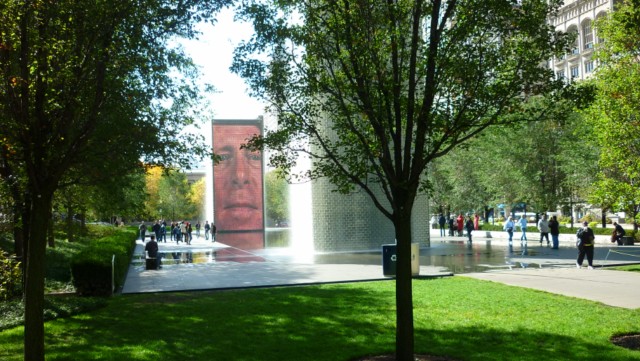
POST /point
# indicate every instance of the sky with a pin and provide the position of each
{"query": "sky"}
(213, 52)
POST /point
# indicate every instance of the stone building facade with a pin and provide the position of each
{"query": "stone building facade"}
(579, 16)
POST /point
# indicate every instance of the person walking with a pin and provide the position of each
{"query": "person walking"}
(509, 225)
(214, 231)
(207, 228)
(469, 227)
(522, 222)
(198, 229)
(189, 233)
(143, 230)
(442, 221)
(585, 245)
(451, 226)
(543, 227)
(460, 221)
(156, 229)
(183, 232)
(554, 229)
(476, 222)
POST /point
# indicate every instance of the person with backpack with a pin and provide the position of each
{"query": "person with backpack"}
(585, 244)
(618, 233)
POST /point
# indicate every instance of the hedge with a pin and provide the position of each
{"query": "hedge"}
(91, 268)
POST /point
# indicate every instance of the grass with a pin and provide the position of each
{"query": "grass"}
(460, 317)
(629, 268)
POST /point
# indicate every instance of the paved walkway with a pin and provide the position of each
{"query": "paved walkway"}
(534, 266)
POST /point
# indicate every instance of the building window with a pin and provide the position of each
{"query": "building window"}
(587, 34)
(560, 74)
(575, 72)
(588, 67)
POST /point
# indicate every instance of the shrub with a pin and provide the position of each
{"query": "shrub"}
(91, 268)
(10, 277)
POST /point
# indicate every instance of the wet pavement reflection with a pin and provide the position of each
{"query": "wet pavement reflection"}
(454, 256)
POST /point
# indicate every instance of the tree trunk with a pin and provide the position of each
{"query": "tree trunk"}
(34, 286)
(404, 292)
(604, 218)
(69, 224)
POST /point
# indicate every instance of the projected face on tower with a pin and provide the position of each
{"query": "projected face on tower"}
(238, 190)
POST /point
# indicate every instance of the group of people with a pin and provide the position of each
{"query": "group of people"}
(458, 225)
(585, 238)
(179, 231)
(546, 227)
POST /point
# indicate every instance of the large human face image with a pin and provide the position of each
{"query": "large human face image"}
(237, 179)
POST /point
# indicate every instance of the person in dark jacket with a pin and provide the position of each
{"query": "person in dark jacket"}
(618, 233)
(151, 254)
(586, 240)
(554, 230)
(469, 227)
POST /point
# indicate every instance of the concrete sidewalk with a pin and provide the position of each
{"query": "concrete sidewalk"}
(534, 266)
(613, 288)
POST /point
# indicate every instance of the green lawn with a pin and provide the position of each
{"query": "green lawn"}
(464, 318)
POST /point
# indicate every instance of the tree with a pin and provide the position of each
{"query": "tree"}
(277, 197)
(78, 78)
(174, 196)
(615, 113)
(375, 91)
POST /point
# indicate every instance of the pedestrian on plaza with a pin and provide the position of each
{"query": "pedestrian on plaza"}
(618, 233)
(543, 227)
(198, 229)
(469, 226)
(183, 232)
(585, 244)
(460, 221)
(176, 233)
(476, 222)
(451, 226)
(163, 233)
(554, 229)
(442, 221)
(189, 230)
(143, 230)
(509, 225)
(207, 228)
(522, 222)
(214, 231)
(156, 229)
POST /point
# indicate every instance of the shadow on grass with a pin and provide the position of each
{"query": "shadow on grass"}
(328, 322)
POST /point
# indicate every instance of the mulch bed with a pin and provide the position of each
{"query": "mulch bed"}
(631, 341)
(392, 357)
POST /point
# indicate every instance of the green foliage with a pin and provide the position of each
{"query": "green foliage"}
(277, 197)
(457, 317)
(373, 92)
(12, 312)
(91, 268)
(614, 114)
(10, 277)
(173, 197)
